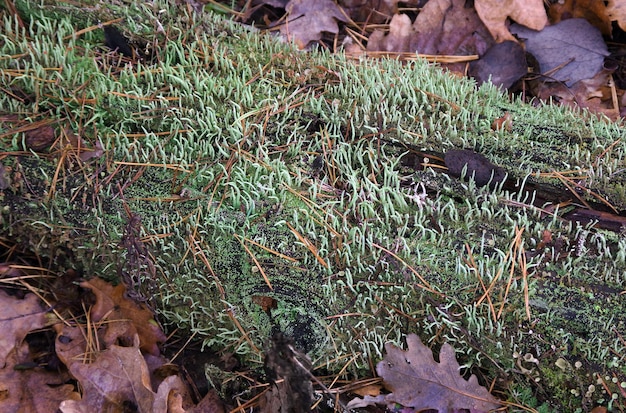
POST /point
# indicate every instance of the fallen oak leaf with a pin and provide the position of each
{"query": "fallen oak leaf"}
(118, 377)
(112, 303)
(447, 27)
(493, 13)
(398, 38)
(417, 381)
(569, 51)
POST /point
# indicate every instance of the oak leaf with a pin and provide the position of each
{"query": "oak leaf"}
(493, 13)
(417, 381)
(117, 378)
(131, 317)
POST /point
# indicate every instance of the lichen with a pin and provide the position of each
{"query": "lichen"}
(270, 195)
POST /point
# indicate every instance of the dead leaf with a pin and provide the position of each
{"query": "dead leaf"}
(32, 390)
(503, 122)
(569, 51)
(591, 10)
(370, 11)
(118, 377)
(398, 38)
(503, 65)
(447, 27)
(593, 94)
(112, 303)
(18, 318)
(493, 13)
(416, 380)
(40, 138)
(306, 20)
(172, 396)
(616, 11)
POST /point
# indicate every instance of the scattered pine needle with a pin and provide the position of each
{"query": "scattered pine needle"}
(308, 244)
(425, 285)
(256, 262)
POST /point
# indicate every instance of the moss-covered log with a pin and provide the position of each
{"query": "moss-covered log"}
(244, 188)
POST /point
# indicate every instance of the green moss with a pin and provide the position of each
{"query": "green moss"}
(229, 138)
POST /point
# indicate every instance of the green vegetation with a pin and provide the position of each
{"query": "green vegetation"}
(232, 162)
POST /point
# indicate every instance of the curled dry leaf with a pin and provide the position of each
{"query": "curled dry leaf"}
(40, 137)
(503, 65)
(398, 38)
(118, 377)
(494, 13)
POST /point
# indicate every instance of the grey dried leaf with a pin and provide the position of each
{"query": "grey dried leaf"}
(569, 51)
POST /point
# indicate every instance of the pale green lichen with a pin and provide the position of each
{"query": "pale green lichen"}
(230, 137)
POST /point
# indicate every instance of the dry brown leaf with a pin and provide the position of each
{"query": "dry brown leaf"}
(306, 20)
(417, 381)
(593, 94)
(616, 11)
(398, 38)
(502, 65)
(40, 138)
(118, 377)
(31, 390)
(17, 319)
(447, 27)
(70, 344)
(591, 10)
(112, 303)
(370, 11)
(493, 13)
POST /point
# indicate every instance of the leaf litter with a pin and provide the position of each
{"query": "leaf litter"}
(113, 356)
(467, 38)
